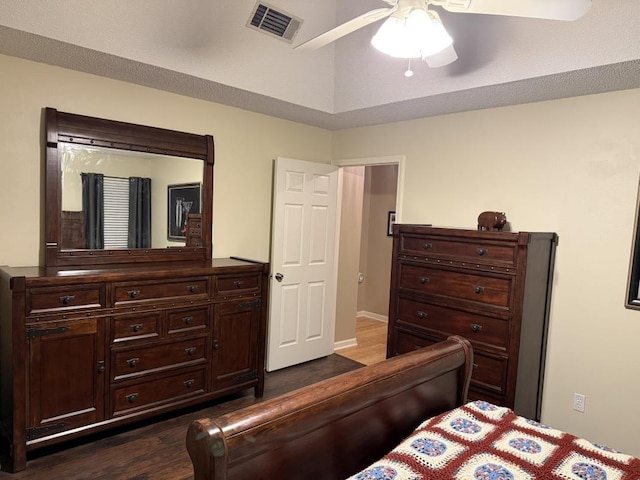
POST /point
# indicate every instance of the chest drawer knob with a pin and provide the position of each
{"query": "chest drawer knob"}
(136, 327)
(238, 283)
(475, 327)
(187, 320)
(101, 366)
(478, 289)
(422, 315)
(216, 345)
(192, 288)
(131, 397)
(424, 280)
(190, 350)
(482, 251)
(132, 362)
(133, 293)
(189, 383)
(427, 246)
(67, 299)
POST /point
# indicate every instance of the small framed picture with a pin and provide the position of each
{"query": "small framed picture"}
(391, 219)
(183, 199)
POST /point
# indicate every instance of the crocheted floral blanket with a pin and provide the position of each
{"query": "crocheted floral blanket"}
(485, 442)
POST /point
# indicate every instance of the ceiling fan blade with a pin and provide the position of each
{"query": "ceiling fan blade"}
(442, 58)
(549, 9)
(345, 29)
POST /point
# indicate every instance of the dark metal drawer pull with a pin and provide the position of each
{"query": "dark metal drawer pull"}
(238, 283)
(478, 289)
(424, 280)
(475, 327)
(101, 366)
(133, 361)
(189, 383)
(131, 397)
(136, 327)
(187, 320)
(422, 314)
(192, 288)
(482, 251)
(216, 345)
(190, 350)
(133, 293)
(427, 246)
(67, 299)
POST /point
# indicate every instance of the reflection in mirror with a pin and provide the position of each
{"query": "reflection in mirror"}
(633, 287)
(118, 199)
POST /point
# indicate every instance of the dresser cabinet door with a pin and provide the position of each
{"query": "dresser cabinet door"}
(235, 343)
(66, 373)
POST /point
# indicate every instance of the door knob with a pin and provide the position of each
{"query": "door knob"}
(279, 277)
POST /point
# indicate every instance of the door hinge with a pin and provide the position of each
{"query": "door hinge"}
(37, 432)
(256, 303)
(40, 332)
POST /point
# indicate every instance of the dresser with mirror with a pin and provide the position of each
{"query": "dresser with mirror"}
(128, 316)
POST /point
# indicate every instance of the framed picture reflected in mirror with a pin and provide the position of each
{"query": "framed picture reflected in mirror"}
(183, 199)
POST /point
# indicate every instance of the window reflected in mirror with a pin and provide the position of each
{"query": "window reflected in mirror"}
(118, 199)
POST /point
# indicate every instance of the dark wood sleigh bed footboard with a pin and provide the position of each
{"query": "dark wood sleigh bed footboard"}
(332, 429)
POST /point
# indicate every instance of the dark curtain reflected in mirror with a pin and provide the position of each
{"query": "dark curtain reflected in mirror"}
(93, 208)
(139, 212)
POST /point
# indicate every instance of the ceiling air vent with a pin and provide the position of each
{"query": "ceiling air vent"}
(274, 22)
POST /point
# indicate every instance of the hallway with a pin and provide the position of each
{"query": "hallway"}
(371, 336)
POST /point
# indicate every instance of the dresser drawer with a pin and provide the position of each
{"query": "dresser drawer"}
(447, 321)
(471, 250)
(236, 284)
(405, 342)
(70, 297)
(149, 394)
(490, 290)
(489, 371)
(189, 288)
(138, 361)
(136, 327)
(188, 320)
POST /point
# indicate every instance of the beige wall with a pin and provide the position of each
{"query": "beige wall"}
(569, 166)
(351, 219)
(375, 260)
(245, 145)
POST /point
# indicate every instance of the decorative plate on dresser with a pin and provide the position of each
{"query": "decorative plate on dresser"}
(99, 337)
(493, 288)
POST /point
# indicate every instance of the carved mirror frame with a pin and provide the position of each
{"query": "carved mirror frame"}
(67, 128)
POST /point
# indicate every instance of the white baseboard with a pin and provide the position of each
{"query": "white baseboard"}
(373, 316)
(350, 342)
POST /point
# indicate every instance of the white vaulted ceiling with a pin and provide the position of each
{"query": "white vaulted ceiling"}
(203, 49)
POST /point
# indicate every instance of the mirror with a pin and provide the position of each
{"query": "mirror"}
(633, 284)
(120, 193)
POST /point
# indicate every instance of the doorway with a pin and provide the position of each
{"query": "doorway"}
(371, 192)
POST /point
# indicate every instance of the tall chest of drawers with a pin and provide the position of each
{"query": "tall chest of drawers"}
(85, 350)
(493, 288)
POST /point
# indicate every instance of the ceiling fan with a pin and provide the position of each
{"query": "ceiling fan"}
(414, 30)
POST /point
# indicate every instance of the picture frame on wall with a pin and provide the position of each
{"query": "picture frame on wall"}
(391, 219)
(183, 199)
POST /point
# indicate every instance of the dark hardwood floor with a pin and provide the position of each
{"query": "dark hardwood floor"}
(156, 450)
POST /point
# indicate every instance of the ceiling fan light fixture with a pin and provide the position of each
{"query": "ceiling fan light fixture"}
(392, 39)
(419, 34)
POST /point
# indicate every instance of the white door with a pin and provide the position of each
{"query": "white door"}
(303, 263)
